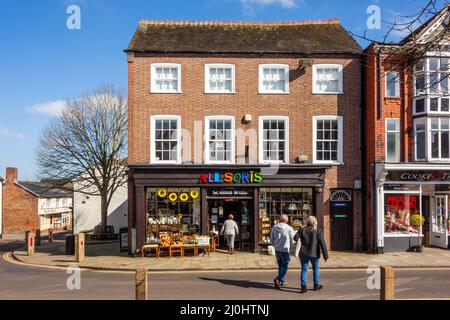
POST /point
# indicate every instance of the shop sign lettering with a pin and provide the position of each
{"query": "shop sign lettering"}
(439, 176)
(231, 178)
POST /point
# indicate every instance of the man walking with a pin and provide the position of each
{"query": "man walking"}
(282, 239)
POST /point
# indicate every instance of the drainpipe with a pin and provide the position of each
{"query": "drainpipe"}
(363, 155)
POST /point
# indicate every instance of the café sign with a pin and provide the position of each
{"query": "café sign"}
(419, 176)
(245, 177)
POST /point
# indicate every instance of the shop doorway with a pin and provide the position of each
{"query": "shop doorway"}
(220, 208)
(341, 211)
(439, 217)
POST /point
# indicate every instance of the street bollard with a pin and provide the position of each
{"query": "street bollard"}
(387, 283)
(80, 247)
(50, 235)
(38, 237)
(141, 284)
(30, 243)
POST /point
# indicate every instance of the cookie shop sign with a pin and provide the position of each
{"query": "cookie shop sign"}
(420, 176)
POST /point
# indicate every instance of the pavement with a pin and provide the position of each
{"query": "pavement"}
(106, 256)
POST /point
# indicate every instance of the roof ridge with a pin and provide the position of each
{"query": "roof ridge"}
(238, 23)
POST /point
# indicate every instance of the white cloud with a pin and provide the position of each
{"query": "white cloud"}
(5, 132)
(283, 3)
(52, 108)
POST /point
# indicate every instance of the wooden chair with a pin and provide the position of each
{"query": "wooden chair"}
(173, 249)
(192, 247)
(204, 247)
(214, 242)
(149, 248)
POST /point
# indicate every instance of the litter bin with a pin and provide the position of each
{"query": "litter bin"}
(70, 245)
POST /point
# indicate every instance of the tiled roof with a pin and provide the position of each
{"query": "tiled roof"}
(45, 190)
(307, 37)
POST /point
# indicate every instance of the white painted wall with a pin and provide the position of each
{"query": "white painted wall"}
(87, 210)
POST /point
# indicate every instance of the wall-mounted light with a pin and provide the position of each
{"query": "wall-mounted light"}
(247, 118)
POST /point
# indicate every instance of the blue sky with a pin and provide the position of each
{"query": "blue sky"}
(42, 63)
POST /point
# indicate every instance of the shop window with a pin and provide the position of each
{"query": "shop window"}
(399, 209)
(220, 142)
(327, 79)
(172, 210)
(165, 78)
(274, 139)
(328, 140)
(393, 140)
(392, 84)
(273, 78)
(297, 203)
(165, 139)
(220, 78)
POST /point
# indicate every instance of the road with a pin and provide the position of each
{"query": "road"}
(25, 282)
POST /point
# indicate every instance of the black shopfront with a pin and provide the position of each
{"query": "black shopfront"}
(198, 199)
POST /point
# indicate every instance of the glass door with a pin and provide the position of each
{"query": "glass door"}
(439, 215)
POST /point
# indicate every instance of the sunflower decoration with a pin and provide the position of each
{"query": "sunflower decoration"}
(162, 193)
(194, 194)
(184, 197)
(173, 197)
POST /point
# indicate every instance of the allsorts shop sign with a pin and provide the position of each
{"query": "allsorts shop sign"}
(246, 177)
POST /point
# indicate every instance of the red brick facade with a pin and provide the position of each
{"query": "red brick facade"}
(300, 105)
(20, 207)
(379, 107)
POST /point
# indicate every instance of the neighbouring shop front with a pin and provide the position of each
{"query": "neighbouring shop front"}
(194, 201)
(412, 204)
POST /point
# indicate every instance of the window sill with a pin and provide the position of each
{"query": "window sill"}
(330, 163)
(231, 93)
(274, 93)
(328, 93)
(393, 98)
(164, 92)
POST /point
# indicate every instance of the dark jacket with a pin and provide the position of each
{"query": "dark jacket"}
(312, 242)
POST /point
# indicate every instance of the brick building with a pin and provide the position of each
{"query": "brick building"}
(34, 205)
(407, 143)
(254, 119)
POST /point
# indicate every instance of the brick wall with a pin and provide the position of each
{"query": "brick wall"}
(20, 208)
(401, 108)
(300, 105)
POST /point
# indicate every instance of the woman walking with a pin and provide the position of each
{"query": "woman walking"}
(230, 230)
(313, 244)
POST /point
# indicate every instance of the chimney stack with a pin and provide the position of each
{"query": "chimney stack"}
(11, 175)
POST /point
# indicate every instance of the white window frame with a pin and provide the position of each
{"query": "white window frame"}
(397, 132)
(220, 65)
(153, 119)
(340, 121)
(397, 84)
(328, 66)
(153, 88)
(274, 66)
(429, 140)
(425, 123)
(233, 139)
(261, 135)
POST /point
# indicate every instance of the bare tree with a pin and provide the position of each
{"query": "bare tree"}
(410, 50)
(87, 146)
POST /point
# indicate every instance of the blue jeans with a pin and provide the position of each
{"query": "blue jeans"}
(304, 261)
(283, 259)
